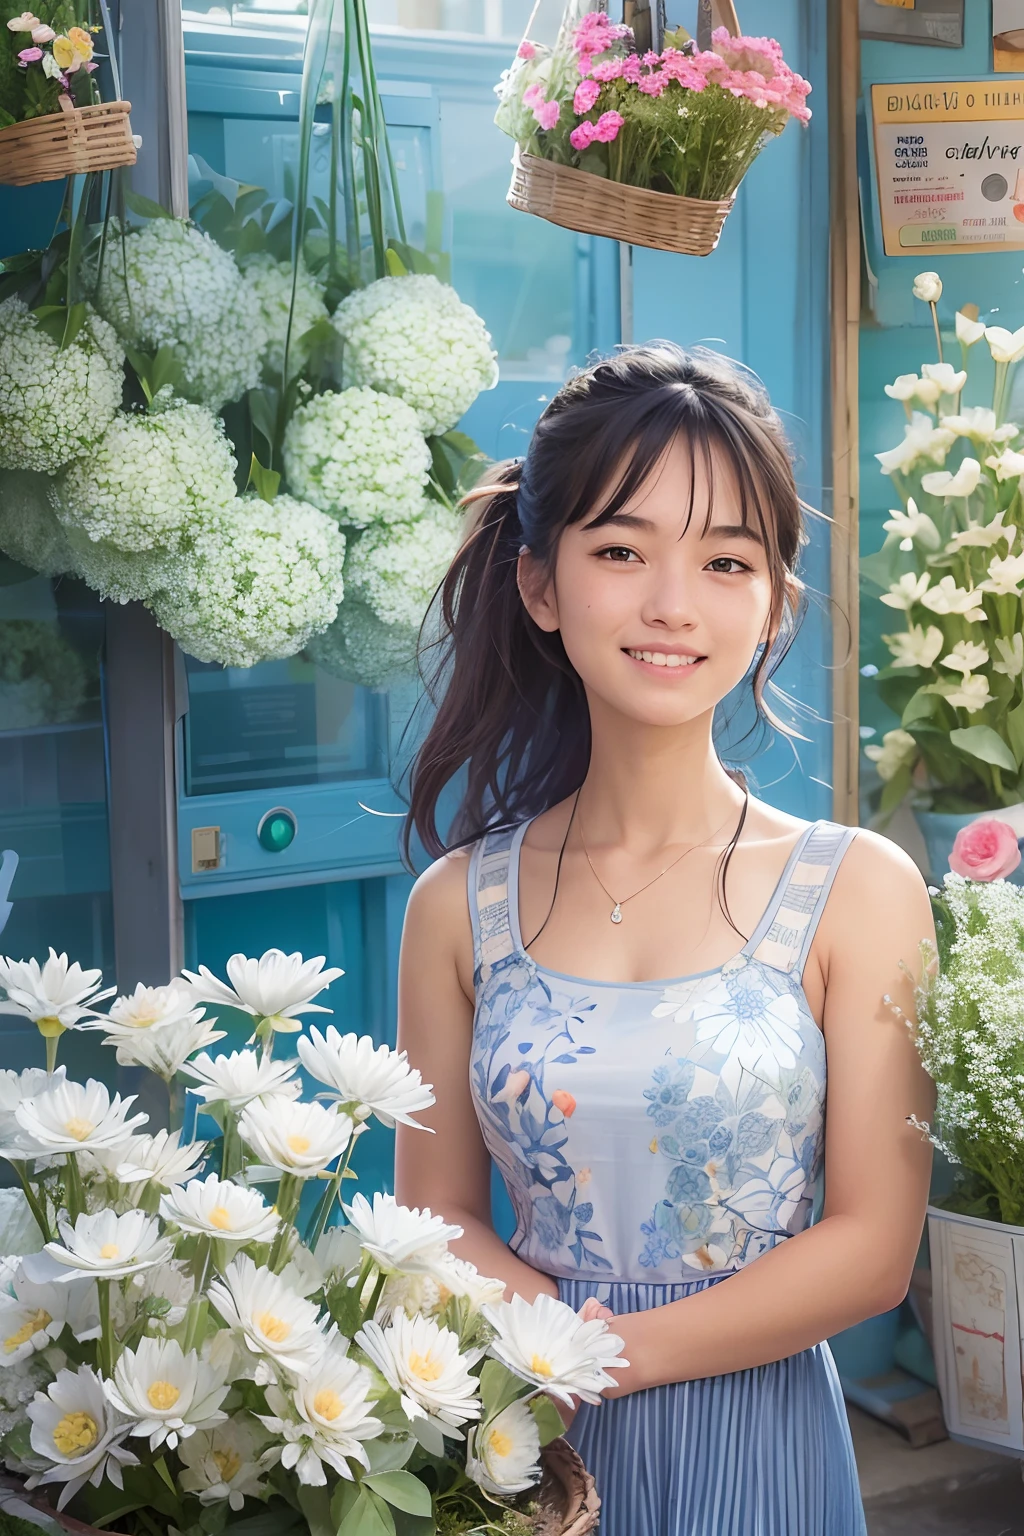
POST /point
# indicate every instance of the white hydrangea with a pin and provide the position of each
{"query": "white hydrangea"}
(150, 479)
(359, 455)
(116, 575)
(54, 404)
(360, 649)
(259, 580)
(29, 530)
(270, 284)
(167, 284)
(396, 570)
(413, 337)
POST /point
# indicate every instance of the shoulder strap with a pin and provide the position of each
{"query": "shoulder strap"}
(788, 928)
(488, 899)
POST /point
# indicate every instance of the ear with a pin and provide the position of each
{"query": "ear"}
(537, 590)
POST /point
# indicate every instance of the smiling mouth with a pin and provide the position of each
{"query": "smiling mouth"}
(670, 659)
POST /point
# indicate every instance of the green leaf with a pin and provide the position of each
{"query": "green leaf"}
(396, 266)
(549, 1420)
(52, 319)
(345, 1307)
(369, 1516)
(145, 207)
(263, 481)
(401, 1489)
(895, 791)
(1015, 731)
(921, 706)
(74, 320)
(414, 1525)
(498, 1387)
(315, 1504)
(345, 1497)
(982, 742)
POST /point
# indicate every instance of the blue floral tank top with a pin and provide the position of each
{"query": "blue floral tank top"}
(653, 1131)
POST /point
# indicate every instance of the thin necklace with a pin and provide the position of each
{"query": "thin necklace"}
(616, 912)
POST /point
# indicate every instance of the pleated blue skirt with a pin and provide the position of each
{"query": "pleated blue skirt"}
(761, 1452)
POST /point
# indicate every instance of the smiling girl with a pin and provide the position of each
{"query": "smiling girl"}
(625, 976)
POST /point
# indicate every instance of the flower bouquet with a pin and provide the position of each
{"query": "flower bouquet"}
(52, 122)
(182, 1348)
(647, 148)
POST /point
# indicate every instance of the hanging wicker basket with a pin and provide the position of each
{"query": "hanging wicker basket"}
(596, 206)
(66, 143)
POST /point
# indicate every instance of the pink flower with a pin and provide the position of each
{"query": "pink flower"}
(30, 55)
(652, 85)
(562, 1099)
(43, 34)
(587, 93)
(547, 113)
(607, 126)
(986, 849)
(526, 50)
(608, 69)
(679, 67)
(582, 137)
(631, 67)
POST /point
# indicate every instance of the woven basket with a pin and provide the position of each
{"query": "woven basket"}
(67, 142)
(569, 1501)
(597, 206)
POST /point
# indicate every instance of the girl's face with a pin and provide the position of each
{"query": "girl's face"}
(660, 616)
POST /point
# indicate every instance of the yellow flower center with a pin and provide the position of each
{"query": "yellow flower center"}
(541, 1367)
(81, 1130)
(76, 1432)
(141, 1020)
(220, 1217)
(499, 1443)
(425, 1367)
(33, 1325)
(110, 1251)
(298, 1144)
(273, 1328)
(327, 1404)
(163, 1395)
(50, 1028)
(227, 1464)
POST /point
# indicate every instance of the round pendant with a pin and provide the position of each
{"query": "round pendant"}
(616, 913)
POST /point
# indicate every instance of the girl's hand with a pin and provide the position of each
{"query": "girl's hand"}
(590, 1309)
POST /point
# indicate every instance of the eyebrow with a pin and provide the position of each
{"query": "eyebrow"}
(622, 520)
(732, 531)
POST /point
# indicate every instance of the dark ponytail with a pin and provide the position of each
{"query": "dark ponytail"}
(510, 708)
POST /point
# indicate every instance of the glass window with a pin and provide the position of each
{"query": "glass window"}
(505, 19)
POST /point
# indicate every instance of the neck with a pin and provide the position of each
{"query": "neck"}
(652, 787)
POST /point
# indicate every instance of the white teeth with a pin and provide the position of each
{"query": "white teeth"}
(663, 658)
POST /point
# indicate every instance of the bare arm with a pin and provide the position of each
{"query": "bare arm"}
(857, 1260)
(448, 1169)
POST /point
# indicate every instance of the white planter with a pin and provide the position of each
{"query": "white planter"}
(978, 1316)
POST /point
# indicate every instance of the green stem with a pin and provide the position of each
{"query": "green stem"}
(51, 1053)
(289, 1193)
(935, 321)
(74, 1194)
(175, 1104)
(107, 1347)
(38, 1210)
(322, 1213)
(371, 1305)
(231, 1146)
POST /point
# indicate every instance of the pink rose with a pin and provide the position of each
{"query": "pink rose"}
(526, 50)
(985, 850)
(587, 93)
(608, 125)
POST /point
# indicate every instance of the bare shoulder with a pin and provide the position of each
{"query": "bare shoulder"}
(878, 890)
(437, 919)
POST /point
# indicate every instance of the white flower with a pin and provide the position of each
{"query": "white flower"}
(898, 749)
(361, 649)
(276, 987)
(54, 404)
(161, 1295)
(983, 535)
(224, 1463)
(324, 1417)
(921, 439)
(1005, 346)
(108, 1247)
(300, 1139)
(271, 1318)
(978, 422)
(358, 455)
(167, 1394)
(968, 331)
(916, 647)
(269, 283)
(421, 1361)
(55, 996)
(413, 337)
(237, 1079)
(213, 1207)
(398, 1237)
(34, 1317)
(546, 1343)
(15, 1088)
(164, 1048)
(377, 1079)
(950, 380)
(972, 694)
(258, 579)
(1005, 576)
(503, 1455)
(911, 525)
(1008, 465)
(160, 1160)
(77, 1117)
(463, 1279)
(116, 575)
(963, 483)
(966, 656)
(151, 480)
(1012, 653)
(169, 284)
(928, 286)
(396, 568)
(908, 386)
(76, 1432)
(338, 1254)
(947, 597)
(29, 530)
(909, 590)
(145, 1008)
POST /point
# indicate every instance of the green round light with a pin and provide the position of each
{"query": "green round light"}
(276, 831)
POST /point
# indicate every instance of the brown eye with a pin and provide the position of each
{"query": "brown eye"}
(619, 553)
(726, 565)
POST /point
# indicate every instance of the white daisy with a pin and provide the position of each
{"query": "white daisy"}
(147, 1008)
(271, 1318)
(338, 1254)
(503, 1455)
(55, 996)
(164, 1048)
(35, 1315)
(400, 1238)
(300, 1139)
(224, 1463)
(367, 1079)
(76, 1117)
(212, 1207)
(324, 1417)
(168, 1394)
(160, 1160)
(15, 1087)
(458, 1277)
(76, 1431)
(274, 989)
(237, 1079)
(546, 1343)
(421, 1361)
(107, 1246)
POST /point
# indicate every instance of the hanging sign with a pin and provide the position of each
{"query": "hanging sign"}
(950, 165)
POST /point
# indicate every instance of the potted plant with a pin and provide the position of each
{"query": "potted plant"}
(642, 147)
(951, 573)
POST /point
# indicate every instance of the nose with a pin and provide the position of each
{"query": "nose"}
(670, 600)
